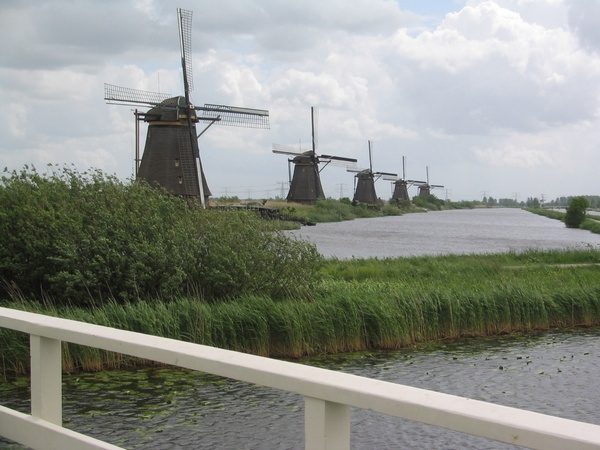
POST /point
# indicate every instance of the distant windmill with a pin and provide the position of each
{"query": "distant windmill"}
(364, 181)
(425, 189)
(171, 155)
(305, 185)
(401, 185)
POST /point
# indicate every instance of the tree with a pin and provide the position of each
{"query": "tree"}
(576, 212)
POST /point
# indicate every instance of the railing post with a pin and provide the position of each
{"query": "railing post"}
(46, 379)
(326, 425)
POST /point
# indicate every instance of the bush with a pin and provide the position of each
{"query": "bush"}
(576, 212)
(85, 238)
(430, 202)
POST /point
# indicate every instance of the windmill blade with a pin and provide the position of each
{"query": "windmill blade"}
(390, 178)
(404, 167)
(371, 156)
(339, 158)
(314, 118)
(416, 182)
(235, 116)
(355, 170)
(184, 20)
(288, 150)
(338, 163)
(436, 186)
(118, 94)
(388, 174)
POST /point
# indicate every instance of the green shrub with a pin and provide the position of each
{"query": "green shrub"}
(430, 202)
(87, 237)
(576, 212)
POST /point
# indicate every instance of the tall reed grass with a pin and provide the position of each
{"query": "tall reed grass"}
(357, 305)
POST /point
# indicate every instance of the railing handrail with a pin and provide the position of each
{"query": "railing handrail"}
(496, 422)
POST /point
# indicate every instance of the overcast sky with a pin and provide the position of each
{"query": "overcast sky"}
(498, 98)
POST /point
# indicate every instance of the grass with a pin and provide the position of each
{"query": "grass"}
(357, 305)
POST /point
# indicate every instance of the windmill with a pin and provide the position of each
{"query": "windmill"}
(425, 188)
(305, 184)
(171, 155)
(401, 185)
(364, 181)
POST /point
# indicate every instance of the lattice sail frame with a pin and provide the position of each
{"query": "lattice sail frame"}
(118, 94)
(235, 116)
(185, 45)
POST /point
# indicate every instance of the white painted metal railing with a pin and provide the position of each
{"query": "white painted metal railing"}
(329, 395)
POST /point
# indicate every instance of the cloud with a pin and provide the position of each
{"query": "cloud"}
(583, 20)
(512, 156)
(480, 87)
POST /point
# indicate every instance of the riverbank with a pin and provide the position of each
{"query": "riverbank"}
(329, 210)
(591, 223)
(360, 304)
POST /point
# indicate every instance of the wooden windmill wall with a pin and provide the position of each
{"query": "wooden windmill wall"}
(400, 191)
(305, 186)
(365, 188)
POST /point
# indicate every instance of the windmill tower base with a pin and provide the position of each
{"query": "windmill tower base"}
(400, 191)
(169, 160)
(306, 185)
(365, 189)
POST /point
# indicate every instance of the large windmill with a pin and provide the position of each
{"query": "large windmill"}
(401, 185)
(171, 155)
(364, 181)
(425, 188)
(305, 184)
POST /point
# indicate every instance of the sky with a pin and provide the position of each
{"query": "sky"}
(495, 98)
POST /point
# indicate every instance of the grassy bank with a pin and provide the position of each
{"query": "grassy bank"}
(591, 223)
(356, 305)
(331, 210)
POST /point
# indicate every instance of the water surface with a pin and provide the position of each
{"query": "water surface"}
(166, 408)
(483, 230)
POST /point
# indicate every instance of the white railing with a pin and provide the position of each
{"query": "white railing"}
(329, 395)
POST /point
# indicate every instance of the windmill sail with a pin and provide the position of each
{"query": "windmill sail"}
(171, 155)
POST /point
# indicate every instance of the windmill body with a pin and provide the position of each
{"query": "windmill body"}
(364, 182)
(305, 184)
(171, 150)
(365, 188)
(424, 190)
(400, 191)
(171, 155)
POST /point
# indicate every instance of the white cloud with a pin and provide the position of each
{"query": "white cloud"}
(513, 156)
